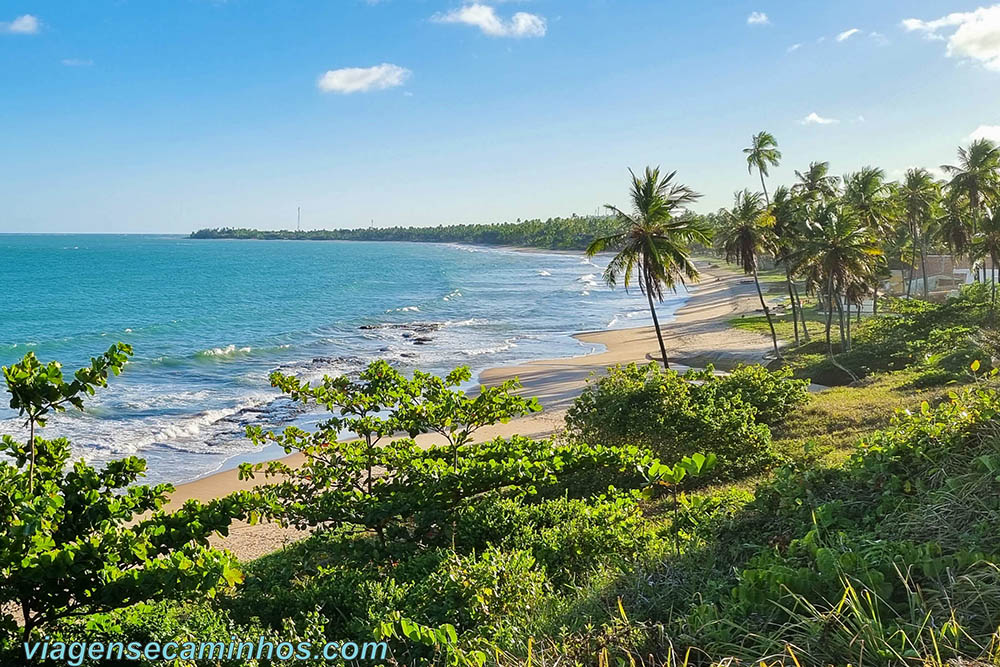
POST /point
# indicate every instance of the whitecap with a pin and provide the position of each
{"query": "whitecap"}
(227, 351)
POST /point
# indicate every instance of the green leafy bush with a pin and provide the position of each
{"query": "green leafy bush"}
(677, 415)
(79, 540)
(568, 537)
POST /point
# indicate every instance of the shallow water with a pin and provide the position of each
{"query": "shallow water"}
(210, 319)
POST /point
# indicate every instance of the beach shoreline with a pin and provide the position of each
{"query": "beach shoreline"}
(699, 334)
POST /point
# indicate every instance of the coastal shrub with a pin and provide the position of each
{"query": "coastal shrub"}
(677, 415)
(353, 579)
(492, 588)
(462, 533)
(568, 537)
(773, 394)
(395, 489)
(939, 340)
(80, 540)
(195, 622)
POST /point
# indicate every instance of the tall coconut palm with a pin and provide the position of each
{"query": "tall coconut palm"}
(987, 246)
(788, 211)
(919, 195)
(871, 198)
(976, 175)
(762, 154)
(816, 183)
(867, 192)
(837, 251)
(953, 225)
(746, 233)
(652, 241)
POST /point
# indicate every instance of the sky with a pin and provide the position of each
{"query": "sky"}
(166, 116)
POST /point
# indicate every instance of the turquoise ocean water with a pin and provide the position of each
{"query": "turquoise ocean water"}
(210, 319)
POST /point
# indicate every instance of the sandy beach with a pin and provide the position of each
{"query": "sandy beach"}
(699, 334)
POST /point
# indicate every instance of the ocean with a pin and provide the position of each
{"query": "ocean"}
(209, 320)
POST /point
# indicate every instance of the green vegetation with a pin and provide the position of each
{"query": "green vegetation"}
(934, 342)
(700, 516)
(573, 233)
(680, 519)
(677, 415)
(79, 541)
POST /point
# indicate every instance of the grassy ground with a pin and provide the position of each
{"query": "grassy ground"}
(783, 325)
(829, 427)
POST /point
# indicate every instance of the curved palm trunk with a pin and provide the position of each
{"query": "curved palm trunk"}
(767, 199)
(767, 312)
(923, 261)
(913, 260)
(840, 314)
(656, 323)
(829, 326)
(802, 313)
(848, 326)
(829, 316)
(791, 300)
(993, 276)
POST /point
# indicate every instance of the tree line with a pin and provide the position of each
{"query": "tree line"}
(571, 233)
(835, 237)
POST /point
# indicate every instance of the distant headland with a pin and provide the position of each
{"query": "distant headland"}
(572, 233)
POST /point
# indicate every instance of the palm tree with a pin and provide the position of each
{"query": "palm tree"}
(871, 199)
(987, 246)
(953, 225)
(747, 232)
(870, 196)
(789, 212)
(817, 183)
(652, 242)
(763, 152)
(976, 174)
(837, 251)
(919, 195)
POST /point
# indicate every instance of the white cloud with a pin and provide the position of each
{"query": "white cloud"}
(976, 34)
(794, 47)
(22, 25)
(879, 38)
(815, 119)
(758, 18)
(991, 132)
(363, 79)
(847, 34)
(484, 17)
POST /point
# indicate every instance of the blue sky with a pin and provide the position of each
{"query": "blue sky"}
(171, 115)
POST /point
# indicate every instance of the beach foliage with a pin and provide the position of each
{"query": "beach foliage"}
(37, 389)
(78, 539)
(676, 415)
(936, 341)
